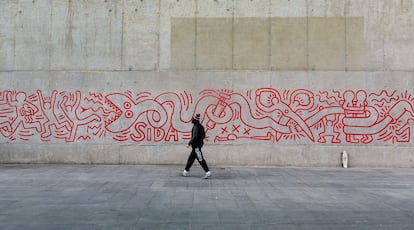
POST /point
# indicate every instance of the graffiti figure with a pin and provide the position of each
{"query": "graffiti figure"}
(69, 114)
(50, 120)
(270, 102)
(17, 111)
(355, 108)
(331, 124)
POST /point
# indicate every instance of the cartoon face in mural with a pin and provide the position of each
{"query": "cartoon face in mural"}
(118, 112)
(123, 112)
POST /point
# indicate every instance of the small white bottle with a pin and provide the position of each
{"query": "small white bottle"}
(344, 159)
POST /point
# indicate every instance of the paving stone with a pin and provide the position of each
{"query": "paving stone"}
(158, 197)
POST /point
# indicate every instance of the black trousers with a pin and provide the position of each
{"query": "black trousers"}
(196, 154)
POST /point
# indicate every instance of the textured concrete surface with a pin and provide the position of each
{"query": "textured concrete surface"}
(262, 43)
(138, 35)
(158, 197)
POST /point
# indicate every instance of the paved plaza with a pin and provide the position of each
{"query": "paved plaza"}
(158, 197)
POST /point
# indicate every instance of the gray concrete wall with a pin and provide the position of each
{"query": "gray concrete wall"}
(287, 83)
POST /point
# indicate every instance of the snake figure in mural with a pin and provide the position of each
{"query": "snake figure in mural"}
(263, 114)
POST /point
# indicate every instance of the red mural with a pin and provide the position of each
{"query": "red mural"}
(264, 114)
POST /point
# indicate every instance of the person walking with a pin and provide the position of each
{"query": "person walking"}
(196, 143)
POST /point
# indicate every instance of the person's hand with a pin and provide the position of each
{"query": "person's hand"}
(188, 146)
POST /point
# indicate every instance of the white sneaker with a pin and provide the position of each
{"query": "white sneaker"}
(207, 175)
(185, 172)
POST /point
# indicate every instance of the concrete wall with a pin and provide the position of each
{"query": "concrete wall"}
(287, 83)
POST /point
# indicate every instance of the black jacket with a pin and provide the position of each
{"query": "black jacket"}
(197, 136)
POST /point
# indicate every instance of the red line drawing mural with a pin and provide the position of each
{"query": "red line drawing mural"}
(263, 114)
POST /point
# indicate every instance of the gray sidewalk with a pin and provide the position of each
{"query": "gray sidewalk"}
(157, 197)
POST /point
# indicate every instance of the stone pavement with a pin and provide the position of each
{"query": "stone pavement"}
(157, 197)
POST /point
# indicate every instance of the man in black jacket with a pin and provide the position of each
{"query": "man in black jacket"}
(196, 143)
